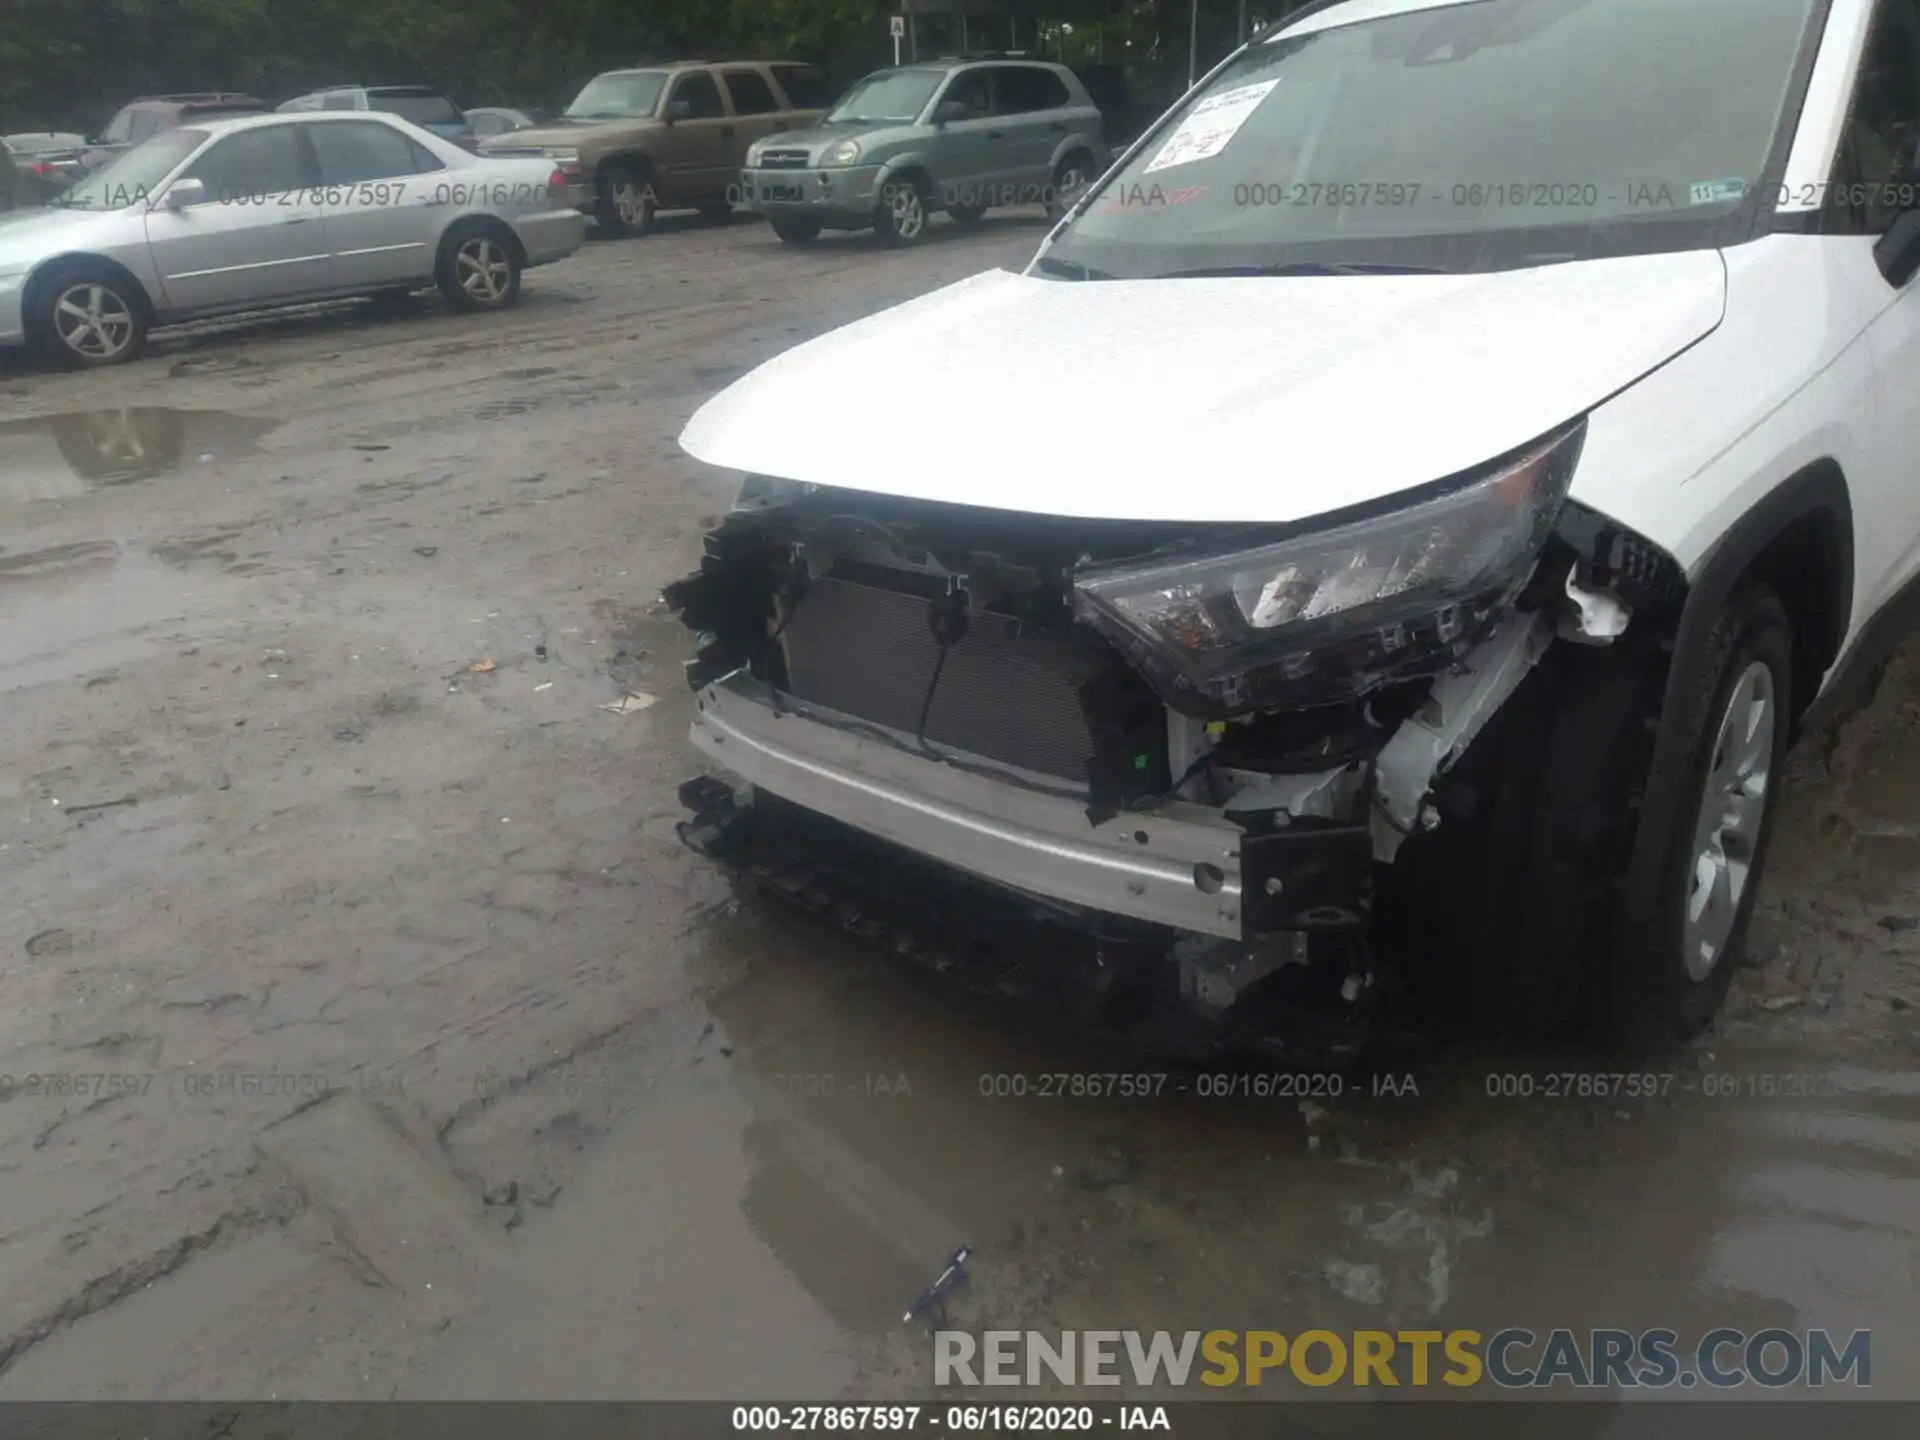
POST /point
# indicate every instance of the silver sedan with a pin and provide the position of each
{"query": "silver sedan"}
(271, 210)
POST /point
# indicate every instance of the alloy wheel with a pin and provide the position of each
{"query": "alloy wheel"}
(483, 270)
(630, 202)
(908, 212)
(1733, 809)
(93, 321)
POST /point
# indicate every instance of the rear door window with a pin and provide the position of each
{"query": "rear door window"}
(354, 151)
(1025, 89)
(751, 93)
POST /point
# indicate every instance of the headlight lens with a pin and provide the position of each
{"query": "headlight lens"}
(1328, 616)
(564, 155)
(845, 153)
(753, 154)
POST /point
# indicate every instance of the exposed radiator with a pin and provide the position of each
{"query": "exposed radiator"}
(1004, 695)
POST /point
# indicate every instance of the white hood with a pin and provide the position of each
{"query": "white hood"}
(1259, 400)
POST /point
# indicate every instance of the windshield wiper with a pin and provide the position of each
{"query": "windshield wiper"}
(1072, 269)
(1311, 267)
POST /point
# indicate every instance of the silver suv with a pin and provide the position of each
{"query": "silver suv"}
(961, 136)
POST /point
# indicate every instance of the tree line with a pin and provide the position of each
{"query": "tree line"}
(69, 64)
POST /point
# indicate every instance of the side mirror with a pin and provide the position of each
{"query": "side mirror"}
(183, 193)
(679, 109)
(948, 110)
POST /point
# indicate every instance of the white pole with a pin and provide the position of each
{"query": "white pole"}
(896, 50)
(1193, 42)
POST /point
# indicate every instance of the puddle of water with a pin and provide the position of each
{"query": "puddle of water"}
(67, 610)
(53, 457)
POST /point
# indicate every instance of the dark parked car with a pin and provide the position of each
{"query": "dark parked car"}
(140, 120)
(423, 105)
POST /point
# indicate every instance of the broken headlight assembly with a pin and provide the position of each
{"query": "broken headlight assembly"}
(1329, 615)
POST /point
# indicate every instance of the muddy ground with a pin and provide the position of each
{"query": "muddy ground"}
(443, 1070)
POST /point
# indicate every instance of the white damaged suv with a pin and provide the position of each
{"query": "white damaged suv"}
(1409, 507)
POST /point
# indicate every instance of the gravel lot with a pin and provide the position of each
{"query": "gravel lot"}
(437, 1067)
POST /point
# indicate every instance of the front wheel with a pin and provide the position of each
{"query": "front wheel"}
(478, 270)
(87, 317)
(1670, 979)
(624, 203)
(901, 216)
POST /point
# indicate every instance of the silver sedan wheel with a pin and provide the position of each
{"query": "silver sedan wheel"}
(630, 202)
(483, 269)
(93, 321)
(1732, 811)
(1072, 185)
(909, 214)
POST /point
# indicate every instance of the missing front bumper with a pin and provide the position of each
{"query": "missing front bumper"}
(1122, 983)
(1181, 866)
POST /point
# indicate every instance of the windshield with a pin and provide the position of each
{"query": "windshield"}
(133, 177)
(1479, 135)
(633, 94)
(893, 96)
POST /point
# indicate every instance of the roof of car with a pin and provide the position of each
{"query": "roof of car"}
(204, 97)
(226, 125)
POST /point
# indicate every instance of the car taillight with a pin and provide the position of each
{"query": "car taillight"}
(41, 167)
(557, 184)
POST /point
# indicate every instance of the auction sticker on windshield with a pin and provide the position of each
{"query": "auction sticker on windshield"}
(1211, 124)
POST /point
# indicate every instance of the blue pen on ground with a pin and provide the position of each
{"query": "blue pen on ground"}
(950, 1279)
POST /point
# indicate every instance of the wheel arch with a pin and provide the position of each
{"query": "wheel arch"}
(1079, 145)
(637, 160)
(1799, 539)
(914, 164)
(43, 273)
(470, 224)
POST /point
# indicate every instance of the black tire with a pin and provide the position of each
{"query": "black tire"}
(624, 201)
(1651, 996)
(716, 212)
(1071, 177)
(117, 331)
(1510, 914)
(900, 216)
(1491, 918)
(966, 214)
(797, 232)
(478, 267)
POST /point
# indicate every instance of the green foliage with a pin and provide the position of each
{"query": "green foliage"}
(68, 64)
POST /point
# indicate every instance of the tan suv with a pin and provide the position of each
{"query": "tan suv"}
(667, 137)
